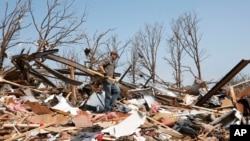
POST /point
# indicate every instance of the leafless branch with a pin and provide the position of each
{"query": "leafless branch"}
(11, 26)
(58, 27)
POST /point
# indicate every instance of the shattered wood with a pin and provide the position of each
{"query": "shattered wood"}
(33, 108)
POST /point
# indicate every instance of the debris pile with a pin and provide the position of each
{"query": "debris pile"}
(34, 108)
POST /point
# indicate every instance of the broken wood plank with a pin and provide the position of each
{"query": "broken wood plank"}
(72, 87)
(224, 107)
(169, 130)
(21, 86)
(25, 133)
(203, 108)
(21, 125)
(100, 74)
(241, 83)
(57, 129)
(243, 93)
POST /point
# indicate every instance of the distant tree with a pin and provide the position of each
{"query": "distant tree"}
(149, 40)
(60, 26)
(135, 71)
(176, 52)
(189, 39)
(114, 43)
(241, 77)
(11, 26)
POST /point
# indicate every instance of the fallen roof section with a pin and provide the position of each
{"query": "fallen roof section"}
(223, 81)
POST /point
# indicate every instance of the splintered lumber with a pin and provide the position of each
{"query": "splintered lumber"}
(169, 130)
(2, 108)
(243, 93)
(100, 74)
(58, 129)
(233, 97)
(18, 85)
(203, 108)
(21, 125)
(223, 81)
(224, 107)
(72, 87)
(205, 135)
(241, 83)
(25, 133)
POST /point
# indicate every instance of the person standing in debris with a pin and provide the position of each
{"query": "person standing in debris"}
(112, 91)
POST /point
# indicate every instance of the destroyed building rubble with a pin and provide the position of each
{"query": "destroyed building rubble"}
(33, 108)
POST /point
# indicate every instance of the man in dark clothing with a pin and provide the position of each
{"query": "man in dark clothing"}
(112, 91)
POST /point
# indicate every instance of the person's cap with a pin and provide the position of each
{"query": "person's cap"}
(115, 53)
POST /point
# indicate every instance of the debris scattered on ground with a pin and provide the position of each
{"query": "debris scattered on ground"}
(33, 108)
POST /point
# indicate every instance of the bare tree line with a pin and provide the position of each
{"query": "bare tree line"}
(184, 40)
(61, 26)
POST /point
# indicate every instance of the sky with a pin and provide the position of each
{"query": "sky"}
(224, 25)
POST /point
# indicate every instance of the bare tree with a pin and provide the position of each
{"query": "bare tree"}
(114, 43)
(176, 52)
(58, 27)
(150, 40)
(92, 49)
(190, 39)
(10, 27)
(98, 48)
(134, 60)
